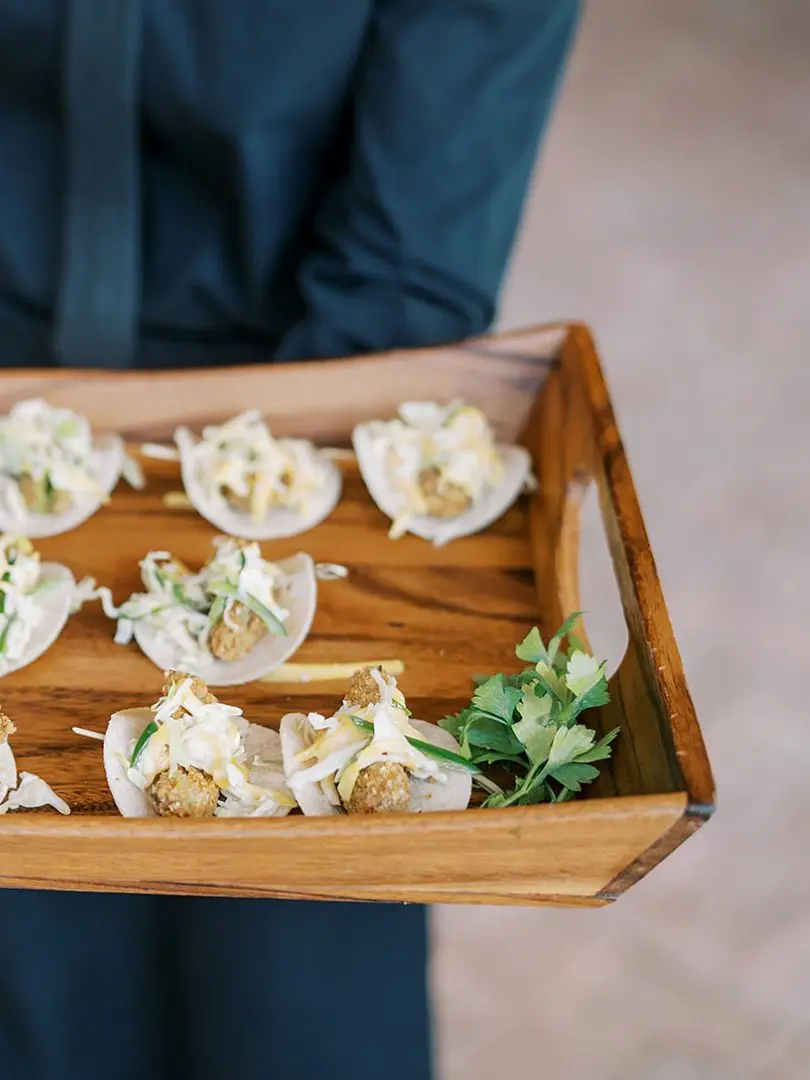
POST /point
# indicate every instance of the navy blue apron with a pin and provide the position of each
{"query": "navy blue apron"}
(107, 987)
(185, 183)
(97, 987)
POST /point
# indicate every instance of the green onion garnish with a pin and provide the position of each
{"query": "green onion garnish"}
(217, 610)
(12, 558)
(273, 624)
(163, 580)
(4, 635)
(429, 749)
(144, 738)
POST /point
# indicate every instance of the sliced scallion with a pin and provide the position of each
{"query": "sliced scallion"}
(4, 636)
(217, 610)
(143, 739)
(427, 748)
(272, 622)
(163, 580)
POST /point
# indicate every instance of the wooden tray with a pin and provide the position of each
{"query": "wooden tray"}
(447, 613)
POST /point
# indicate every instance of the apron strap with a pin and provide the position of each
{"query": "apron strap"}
(99, 289)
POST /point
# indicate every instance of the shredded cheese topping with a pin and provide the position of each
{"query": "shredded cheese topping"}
(454, 440)
(241, 458)
(338, 750)
(209, 737)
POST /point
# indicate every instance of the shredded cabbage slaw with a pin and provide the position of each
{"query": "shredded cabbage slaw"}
(20, 614)
(454, 439)
(53, 446)
(185, 607)
(26, 792)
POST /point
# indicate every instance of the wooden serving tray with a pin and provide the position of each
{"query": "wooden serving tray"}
(447, 613)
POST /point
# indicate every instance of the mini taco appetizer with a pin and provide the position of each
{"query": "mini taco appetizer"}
(191, 756)
(35, 602)
(235, 620)
(24, 791)
(249, 484)
(437, 471)
(371, 757)
(53, 473)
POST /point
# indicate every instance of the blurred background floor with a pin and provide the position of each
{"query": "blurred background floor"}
(672, 212)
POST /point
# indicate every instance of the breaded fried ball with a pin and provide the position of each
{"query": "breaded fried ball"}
(171, 679)
(448, 501)
(183, 792)
(363, 689)
(382, 788)
(6, 728)
(227, 643)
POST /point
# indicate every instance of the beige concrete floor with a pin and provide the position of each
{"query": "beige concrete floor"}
(672, 211)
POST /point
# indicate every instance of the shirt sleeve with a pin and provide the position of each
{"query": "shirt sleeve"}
(412, 240)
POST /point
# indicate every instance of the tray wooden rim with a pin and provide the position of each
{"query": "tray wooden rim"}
(592, 448)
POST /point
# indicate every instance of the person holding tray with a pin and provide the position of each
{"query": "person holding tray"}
(216, 183)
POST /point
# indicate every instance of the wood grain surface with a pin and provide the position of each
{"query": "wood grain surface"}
(322, 399)
(448, 613)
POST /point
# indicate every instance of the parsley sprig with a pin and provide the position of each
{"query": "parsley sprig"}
(527, 724)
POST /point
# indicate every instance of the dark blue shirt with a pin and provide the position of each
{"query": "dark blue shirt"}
(308, 178)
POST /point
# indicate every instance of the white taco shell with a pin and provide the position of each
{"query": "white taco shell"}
(278, 523)
(455, 793)
(107, 461)
(123, 731)
(125, 728)
(308, 795)
(55, 602)
(300, 597)
(493, 504)
(8, 769)
(426, 795)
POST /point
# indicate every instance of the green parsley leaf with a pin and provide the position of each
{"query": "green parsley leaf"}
(534, 729)
(525, 723)
(556, 641)
(574, 774)
(582, 672)
(455, 723)
(495, 757)
(532, 649)
(497, 699)
(575, 643)
(597, 695)
(551, 683)
(569, 743)
(534, 707)
(485, 732)
(536, 737)
(600, 751)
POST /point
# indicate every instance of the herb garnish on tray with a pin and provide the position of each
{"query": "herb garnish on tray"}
(528, 724)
